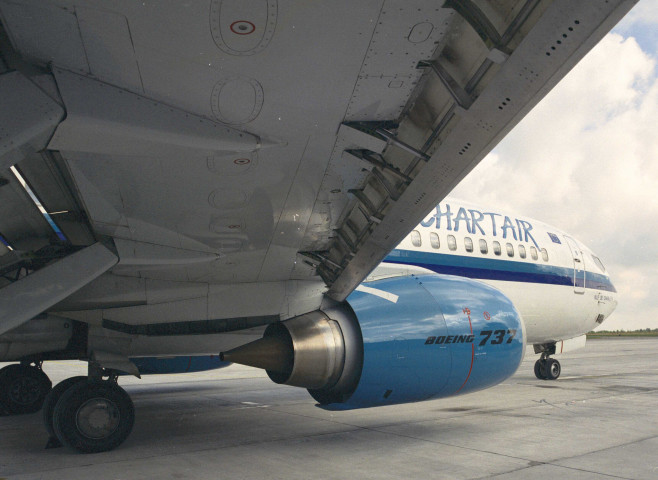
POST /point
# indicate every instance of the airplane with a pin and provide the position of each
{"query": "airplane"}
(559, 286)
(191, 179)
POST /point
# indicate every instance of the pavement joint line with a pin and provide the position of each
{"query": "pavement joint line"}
(379, 429)
(538, 464)
(552, 462)
(651, 437)
(538, 404)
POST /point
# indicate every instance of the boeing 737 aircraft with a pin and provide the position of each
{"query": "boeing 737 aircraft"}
(184, 179)
(559, 286)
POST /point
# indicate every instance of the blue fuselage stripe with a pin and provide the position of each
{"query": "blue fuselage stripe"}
(503, 270)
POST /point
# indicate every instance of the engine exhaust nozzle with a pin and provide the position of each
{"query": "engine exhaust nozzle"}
(306, 351)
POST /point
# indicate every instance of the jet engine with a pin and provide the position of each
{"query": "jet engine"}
(395, 340)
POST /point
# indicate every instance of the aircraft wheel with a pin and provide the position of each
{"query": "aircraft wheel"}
(49, 406)
(552, 369)
(539, 370)
(23, 388)
(93, 417)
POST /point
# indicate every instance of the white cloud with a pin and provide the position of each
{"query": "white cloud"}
(586, 160)
(644, 13)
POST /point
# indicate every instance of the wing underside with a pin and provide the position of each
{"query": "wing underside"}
(245, 159)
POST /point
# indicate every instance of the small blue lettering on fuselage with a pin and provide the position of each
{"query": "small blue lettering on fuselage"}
(483, 223)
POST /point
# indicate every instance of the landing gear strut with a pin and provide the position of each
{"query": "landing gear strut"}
(547, 368)
(23, 388)
(89, 414)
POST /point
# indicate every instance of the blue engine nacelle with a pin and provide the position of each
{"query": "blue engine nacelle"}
(395, 340)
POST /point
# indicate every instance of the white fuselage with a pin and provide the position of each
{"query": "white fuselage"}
(558, 285)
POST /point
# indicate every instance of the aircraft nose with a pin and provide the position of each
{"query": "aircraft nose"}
(607, 300)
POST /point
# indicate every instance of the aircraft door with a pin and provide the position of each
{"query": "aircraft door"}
(578, 266)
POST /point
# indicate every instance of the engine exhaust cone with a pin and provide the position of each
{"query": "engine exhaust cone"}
(271, 353)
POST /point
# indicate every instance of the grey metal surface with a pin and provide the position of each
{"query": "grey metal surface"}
(105, 120)
(598, 421)
(42, 289)
(28, 118)
(219, 128)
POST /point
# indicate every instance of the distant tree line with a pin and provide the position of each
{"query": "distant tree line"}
(638, 332)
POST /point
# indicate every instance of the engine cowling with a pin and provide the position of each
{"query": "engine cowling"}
(395, 340)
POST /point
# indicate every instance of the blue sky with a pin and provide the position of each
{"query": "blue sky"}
(586, 161)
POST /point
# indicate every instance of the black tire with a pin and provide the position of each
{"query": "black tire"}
(72, 417)
(552, 369)
(23, 389)
(539, 370)
(51, 400)
(4, 410)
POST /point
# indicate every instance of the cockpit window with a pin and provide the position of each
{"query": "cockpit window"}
(468, 244)
(434, 240)
(598, 262)
(415, 238)
(496, 247)
(452, 242)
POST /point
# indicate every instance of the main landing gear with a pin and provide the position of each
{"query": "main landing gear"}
(23, 388)
(547, 368)
(90, 414)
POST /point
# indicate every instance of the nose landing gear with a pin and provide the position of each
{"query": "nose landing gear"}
(547, 368)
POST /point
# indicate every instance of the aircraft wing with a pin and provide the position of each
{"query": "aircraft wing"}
(237, 159)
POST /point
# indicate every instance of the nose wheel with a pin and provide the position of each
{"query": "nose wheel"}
(547, 368)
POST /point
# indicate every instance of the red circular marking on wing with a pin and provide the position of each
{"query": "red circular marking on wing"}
(241, 161)
(487, 317)
(243, 27)
(234, 226)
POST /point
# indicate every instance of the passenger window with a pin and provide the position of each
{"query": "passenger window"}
(510, 249)
(434, 240)
(544, 255)
(415, 238)
(452, 242)
(521, 251)
(484, 248)
(533, 253)
(496, 247)
(468, 244)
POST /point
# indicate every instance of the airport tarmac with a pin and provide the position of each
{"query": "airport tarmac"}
(599, 420)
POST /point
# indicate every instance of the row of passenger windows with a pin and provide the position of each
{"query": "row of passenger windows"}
(482, 245)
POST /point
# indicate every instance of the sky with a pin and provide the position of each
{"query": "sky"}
(585, 160)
